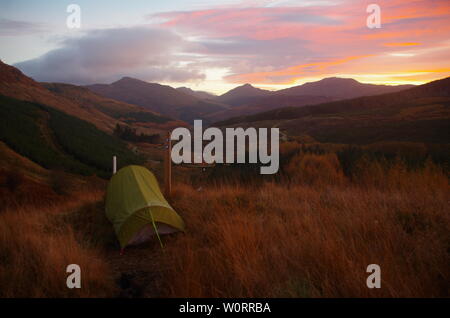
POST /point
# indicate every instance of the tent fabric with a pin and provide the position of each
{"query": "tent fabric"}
(134, 200)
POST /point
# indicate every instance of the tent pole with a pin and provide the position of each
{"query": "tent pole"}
(156, 231)
(168, 166)
(114, 165)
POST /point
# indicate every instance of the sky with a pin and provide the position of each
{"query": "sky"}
(217, 45)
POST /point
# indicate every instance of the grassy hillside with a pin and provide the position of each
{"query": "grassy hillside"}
(14, 84)
(418, 121)
(118, 110)
(37, 247)
(56, 140)
(310, 233)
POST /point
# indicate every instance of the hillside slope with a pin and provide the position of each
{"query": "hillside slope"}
(124, 112)
(74, 100)
(56, 140)
(13, 83)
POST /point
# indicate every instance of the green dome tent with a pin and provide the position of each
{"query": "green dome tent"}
(137, 208)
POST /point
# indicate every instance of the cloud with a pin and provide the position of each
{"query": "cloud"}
(106, 55)
(243, 54)
(401, 44)
(17, 28)
(285, 76)
(282, 42)
(269, 42)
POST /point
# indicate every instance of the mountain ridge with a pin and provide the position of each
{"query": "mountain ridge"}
(419, 114)
(238, 95)
(341, 88)
(247, 100)
(162, 99)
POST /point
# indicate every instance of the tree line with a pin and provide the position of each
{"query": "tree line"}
(130, 134)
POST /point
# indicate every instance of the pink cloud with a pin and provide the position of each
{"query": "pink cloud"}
(326, 33)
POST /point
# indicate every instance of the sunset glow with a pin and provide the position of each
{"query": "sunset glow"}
(214, 47)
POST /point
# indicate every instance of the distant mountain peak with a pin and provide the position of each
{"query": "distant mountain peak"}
(134, 83)
(127, 79)
(340, 88)
(338, 79)
(241, 93)
(245, 88)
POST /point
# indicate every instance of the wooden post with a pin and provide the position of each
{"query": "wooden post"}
(168, 166)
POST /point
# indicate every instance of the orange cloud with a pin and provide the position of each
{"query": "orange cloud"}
(332, 39)
(401, 10)
(293, 72)
(402, 44)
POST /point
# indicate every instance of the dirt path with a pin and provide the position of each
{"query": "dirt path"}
(138, 272)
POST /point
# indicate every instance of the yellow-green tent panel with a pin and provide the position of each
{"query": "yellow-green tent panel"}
(135, 206)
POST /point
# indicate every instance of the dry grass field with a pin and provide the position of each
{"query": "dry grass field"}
(311, 233)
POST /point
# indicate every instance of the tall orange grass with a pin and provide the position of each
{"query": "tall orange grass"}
(36, 248)
(314, 240)
(315, 169)
(311, 234)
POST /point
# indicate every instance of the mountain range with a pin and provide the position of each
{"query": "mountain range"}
(136, 101)
(162, 99)
(69, 126)
(417, 114)
(247, 100)
(321, 109)
(186, 104)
